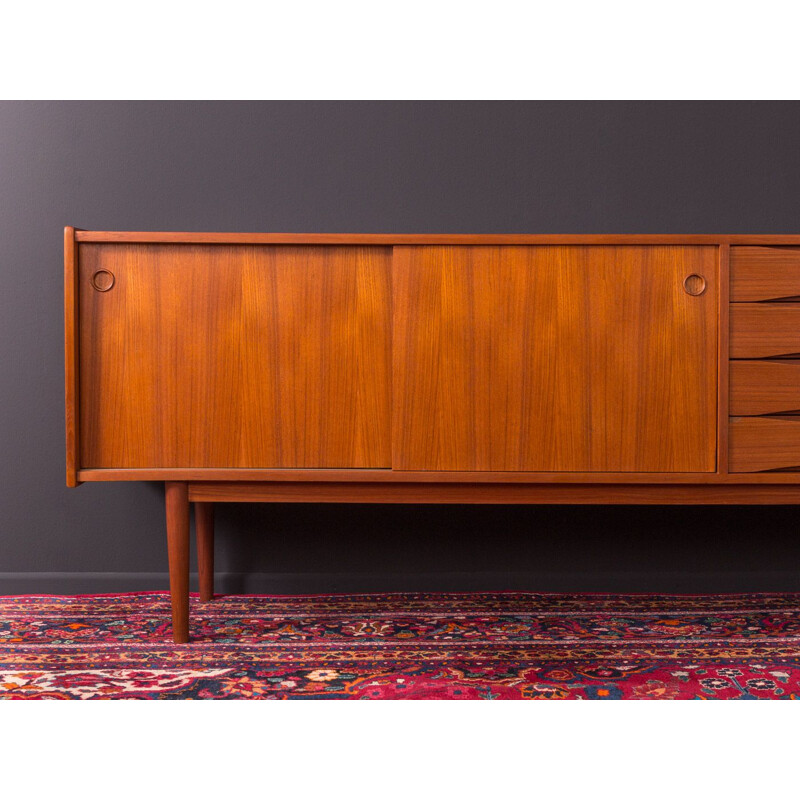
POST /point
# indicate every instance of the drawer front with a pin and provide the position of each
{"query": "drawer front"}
(758, 444)
(764, 387)
(764, 273)
(763, 330)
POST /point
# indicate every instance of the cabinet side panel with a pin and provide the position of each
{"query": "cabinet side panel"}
(575, 358)
(71, 355)
(236, 356)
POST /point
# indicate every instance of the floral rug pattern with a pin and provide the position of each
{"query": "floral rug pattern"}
(484, 646)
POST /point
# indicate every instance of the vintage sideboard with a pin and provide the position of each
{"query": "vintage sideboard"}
(430, 369)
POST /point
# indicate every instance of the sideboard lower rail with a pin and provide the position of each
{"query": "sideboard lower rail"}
(585, 494)
(212, 475)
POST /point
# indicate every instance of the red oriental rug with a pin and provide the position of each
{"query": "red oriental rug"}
(421, 646)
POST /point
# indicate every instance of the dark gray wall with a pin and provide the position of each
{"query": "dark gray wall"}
(368, 167)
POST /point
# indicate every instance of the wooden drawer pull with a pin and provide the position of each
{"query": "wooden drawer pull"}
(694, 284)
(103, 280)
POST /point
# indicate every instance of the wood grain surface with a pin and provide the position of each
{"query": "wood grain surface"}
(424, 476)
(176, 500)
(763, 330)
(764, 387)
(204, 531)
(764, 273)
(465, 493)
(71, 356)
(554, 358)
(235, 356)
(764, 443)
(241, 357)
(723, 356)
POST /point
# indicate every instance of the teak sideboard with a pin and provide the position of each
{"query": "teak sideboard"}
(430, 369)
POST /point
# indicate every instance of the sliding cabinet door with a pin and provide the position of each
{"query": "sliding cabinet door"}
(578, 358)
(234, 356)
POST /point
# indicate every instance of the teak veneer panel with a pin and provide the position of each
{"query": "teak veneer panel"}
(761, 443)
(265, 492)
(763, 330)
(235, 356)
(764, 273)
(573, 358)
(427, 476)
(71, 355)
(764, 387)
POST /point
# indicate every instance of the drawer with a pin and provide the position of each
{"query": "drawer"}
(757, 444)
(764, 273)
(761, 330)
(764, 387)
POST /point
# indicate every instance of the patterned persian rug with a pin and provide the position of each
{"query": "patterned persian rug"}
(421, 646)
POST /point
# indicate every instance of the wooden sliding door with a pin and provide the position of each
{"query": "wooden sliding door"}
(545, 358)
(234, 356)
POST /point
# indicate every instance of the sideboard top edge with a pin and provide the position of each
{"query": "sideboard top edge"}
(389, 239)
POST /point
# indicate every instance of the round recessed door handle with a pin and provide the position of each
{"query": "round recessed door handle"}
(694, 284)
(103, 280)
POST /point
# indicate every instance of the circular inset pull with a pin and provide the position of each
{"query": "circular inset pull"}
(103, 280)
(694, 284)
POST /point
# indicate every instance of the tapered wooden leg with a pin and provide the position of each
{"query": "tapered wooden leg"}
(204, 524)
(177, 502)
